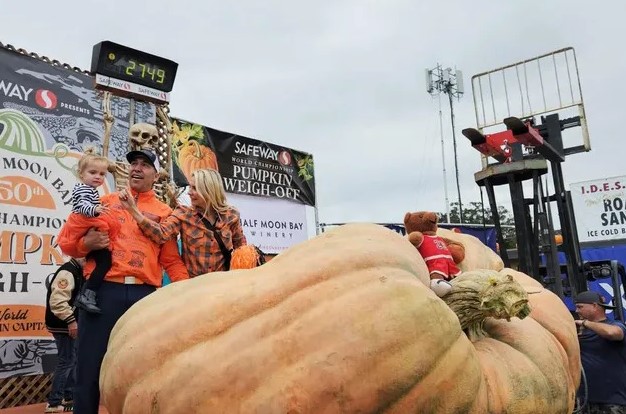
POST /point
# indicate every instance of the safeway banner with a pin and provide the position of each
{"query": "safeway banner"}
(48, 116)
(600, 209)
(248, 166)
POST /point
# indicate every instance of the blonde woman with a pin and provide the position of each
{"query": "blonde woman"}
(210, 228)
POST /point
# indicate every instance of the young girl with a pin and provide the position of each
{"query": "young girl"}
(87, 212)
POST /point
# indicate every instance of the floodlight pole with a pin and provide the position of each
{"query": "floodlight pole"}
(446, 81)
(443, 162)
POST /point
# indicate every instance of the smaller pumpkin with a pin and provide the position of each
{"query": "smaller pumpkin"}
(246, 257)
(194, 156)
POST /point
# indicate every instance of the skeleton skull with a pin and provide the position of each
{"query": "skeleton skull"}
(143, 135)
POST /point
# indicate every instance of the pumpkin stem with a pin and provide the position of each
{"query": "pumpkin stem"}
(477, 295)
(196, 145)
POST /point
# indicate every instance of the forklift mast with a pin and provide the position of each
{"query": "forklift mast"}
(522, 111)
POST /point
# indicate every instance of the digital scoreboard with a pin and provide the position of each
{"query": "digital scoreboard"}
(131, 72)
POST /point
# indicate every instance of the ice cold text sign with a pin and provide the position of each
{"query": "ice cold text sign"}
(600, 209)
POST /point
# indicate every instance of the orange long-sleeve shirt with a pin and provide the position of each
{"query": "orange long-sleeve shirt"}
(133, 253)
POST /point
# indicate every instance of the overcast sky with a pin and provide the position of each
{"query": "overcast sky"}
(344, 80)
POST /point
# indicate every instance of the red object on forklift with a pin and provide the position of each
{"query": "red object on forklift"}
(531, 138)
(489, 150)
(490, 145)
(501, 140)
(524, 132)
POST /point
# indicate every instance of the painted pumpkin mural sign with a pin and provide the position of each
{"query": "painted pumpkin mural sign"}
(48, 116)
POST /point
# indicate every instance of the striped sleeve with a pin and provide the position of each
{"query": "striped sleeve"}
(85, 199)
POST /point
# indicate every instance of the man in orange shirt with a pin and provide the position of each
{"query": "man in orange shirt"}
(135, 273)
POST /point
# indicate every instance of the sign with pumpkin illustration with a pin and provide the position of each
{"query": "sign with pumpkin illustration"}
(190, 148)
(248, 166)
(48, 116)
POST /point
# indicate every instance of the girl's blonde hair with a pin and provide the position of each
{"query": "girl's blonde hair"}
(210, 188)
(90, 157)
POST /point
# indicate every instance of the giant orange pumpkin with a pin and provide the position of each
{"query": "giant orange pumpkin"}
(193, 156)
(344, 323)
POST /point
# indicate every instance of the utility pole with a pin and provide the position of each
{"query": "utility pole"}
(446, 81)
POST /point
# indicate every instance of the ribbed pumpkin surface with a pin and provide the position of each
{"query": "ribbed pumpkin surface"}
(343, 323)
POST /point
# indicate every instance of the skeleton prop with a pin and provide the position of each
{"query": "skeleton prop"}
(141, 136)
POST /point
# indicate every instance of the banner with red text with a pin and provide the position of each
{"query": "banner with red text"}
(600, 209)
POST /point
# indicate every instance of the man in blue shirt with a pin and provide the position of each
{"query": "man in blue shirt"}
(603, 354)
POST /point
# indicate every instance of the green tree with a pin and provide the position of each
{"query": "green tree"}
(473, 214)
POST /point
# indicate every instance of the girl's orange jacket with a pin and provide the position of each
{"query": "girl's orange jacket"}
(79, 224)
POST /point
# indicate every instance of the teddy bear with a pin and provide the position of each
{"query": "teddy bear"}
(441, 255)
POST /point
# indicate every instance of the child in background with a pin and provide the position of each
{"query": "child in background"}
(87, 213)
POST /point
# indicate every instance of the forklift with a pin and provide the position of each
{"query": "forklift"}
(529, 149)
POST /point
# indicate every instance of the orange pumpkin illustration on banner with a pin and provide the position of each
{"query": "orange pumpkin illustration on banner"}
(191, 154)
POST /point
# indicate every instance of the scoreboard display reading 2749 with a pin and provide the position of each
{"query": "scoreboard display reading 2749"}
(122, 63)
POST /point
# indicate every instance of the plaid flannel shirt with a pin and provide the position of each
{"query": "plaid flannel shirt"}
(201, 251)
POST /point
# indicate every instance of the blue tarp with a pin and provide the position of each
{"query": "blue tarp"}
(487, 235)
(603, 286)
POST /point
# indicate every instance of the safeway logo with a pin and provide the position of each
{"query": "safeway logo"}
(46, 99)
(284, 157)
